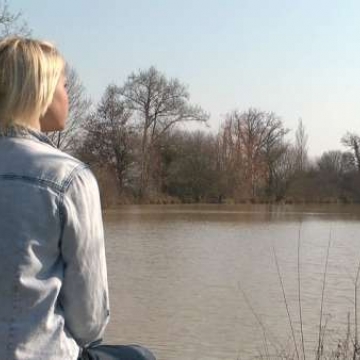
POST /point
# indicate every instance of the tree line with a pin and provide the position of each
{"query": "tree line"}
(136, 141)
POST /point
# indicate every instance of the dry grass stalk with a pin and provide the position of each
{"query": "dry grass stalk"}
(286, 303)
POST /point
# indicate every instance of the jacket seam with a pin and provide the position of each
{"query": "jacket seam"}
(35, 180)
(59, 187)
(66, 183)
(60, 198)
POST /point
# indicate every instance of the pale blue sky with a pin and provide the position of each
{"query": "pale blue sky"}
(296, 58)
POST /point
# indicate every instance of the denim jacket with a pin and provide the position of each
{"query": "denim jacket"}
(53, 281)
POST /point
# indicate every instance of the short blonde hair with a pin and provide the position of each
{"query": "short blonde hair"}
(29, 73)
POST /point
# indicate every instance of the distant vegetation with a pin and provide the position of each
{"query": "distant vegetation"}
(137, 144)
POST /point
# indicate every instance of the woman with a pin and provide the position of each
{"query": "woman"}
(53, 284)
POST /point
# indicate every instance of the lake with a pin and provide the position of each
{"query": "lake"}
(201, 281)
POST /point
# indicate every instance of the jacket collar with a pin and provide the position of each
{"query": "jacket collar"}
(19, 131)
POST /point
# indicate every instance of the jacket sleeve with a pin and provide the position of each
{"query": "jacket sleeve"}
(84, 292)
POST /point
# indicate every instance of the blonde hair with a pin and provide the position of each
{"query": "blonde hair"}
(29, 73)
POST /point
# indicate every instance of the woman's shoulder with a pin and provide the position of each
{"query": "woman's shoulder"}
(32, 155)
(62, 168)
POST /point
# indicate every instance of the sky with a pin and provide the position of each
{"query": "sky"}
(299, 59)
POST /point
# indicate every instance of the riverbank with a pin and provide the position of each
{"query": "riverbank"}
(114, 201)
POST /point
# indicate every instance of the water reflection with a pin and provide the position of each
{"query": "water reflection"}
(176, 275)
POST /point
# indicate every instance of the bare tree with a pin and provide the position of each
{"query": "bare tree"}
(158, 105)
(227, 166)
(331, 162)
(285, 169)
(230, 158)
(352, 141)
(11, 23)
(107, 141)
(259, 140)
(192, 173)
(274, 155)
(301, 147)
(348, 163)
(79, 106)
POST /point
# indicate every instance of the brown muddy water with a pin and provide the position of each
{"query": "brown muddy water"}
(194, 281)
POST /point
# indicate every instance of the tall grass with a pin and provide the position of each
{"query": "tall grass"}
(347, 348)
(320, 346)
(299, 292)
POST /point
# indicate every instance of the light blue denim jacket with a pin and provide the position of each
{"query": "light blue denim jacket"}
(53, 281)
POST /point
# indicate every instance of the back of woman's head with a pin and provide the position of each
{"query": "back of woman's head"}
(29, 72)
